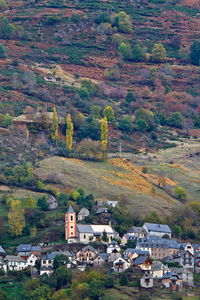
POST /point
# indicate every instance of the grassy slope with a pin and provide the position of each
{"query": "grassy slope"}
(111, 179)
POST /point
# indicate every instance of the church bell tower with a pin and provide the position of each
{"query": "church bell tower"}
(70, 223)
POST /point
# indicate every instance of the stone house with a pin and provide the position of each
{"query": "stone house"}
(53, 203)
(187, 247)
(127, 237)
(146, 281)
(120, 265)
(134, 253)
(137, 231)
(87, 254)
(31, 260)
(185, 259)
(112, 203)
(113, 246)
(158, 269)
(173, 281)
(2, 252)
(84, 212)
(15, 262)
(102, 212)
(144, 262)
(3, 265)
(158, 247)
(100, 259)
(157, 229)
(186, 275)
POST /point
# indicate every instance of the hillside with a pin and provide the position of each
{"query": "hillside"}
(83, 56)
(123, 179)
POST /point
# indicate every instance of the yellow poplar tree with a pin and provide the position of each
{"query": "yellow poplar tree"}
(54, 134)
(104, 134)
(29, 202)
(16, 218)
(69, 132)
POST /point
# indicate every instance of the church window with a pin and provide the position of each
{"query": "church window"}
(71, 226)
(71, 218)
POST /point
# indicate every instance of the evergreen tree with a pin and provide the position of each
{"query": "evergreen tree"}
(104, 236)
(54, 134)
(69, 132)
(104, 134)
(123, 280)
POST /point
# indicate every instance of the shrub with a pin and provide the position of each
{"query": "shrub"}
(109, 282)
(103, 17)
(180, 193)
(52, 19)
(141, 125)
(83, 93)
(2, 51)
(126, 124)
(145, 170)
(195, 52)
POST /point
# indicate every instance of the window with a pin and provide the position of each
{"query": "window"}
(71, 226)
(84, 236)
(71, 218)
(71, 233)
(49, 261)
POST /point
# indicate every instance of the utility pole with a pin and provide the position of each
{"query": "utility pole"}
(120, 149)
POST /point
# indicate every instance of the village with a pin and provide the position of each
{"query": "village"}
(156, 256)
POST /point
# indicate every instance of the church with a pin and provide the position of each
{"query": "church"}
(85, 233)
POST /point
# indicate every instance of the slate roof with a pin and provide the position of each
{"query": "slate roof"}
(88, 247)
(131, 236)
(2, 251)
(2, 262)
(84, 228)
(24, 248)
(139, 260)
(137, 251)
(196, 261)
(195, 246)
(180, 253)
(170, 274)
(113, 243)
(158, 227)
(135, 229)
(157, 265)
(35, 248)
(157, 242)
(168, 259)
(102, 210)
(104, 256)
(70, 210)
(181, 271)
(12, 258)
(50, 256)
(94, 229)
(84, 212)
